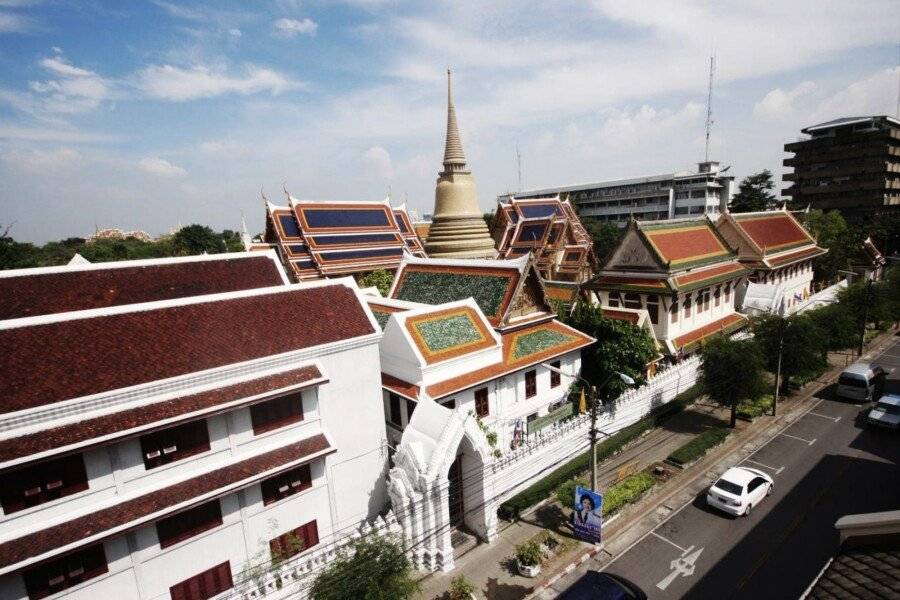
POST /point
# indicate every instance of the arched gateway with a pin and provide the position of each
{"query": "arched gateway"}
(439, 483)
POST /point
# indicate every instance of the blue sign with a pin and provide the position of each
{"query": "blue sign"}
(588, 518)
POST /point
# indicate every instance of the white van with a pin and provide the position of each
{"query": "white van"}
(861, 382)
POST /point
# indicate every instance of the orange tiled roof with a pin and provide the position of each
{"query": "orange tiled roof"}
(687, 243)
(622, 315)
(698, 278)
(779, 261)
(445, 334)
(511, 361)
(773, 232)
(404, 388)
(727, 323)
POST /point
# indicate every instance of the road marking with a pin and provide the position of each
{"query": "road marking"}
(670, 541)
(835, 419)
(777, 470)
(810, 442)
(683, 565)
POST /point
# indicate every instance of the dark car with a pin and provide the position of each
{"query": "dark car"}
(594, 585)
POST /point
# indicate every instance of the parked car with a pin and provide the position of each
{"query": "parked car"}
(738, 490)
(861, 382)
(595, 585)
(886, 413)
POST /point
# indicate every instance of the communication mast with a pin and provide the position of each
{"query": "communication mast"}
(709, 119)
(519, 165)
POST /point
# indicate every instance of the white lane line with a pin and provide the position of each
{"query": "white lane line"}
(777, 470)
(810, 442)
(670, 541)
(830, 418)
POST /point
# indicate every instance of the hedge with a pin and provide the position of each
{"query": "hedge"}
(755, 408)
(627, 491)
(581, 463)
(698, 446)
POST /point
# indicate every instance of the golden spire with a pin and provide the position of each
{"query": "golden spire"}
(454, 159)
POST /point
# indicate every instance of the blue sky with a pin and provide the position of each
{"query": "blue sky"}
(144, 115)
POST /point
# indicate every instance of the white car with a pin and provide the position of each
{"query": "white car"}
(886, 413)
(739, 489)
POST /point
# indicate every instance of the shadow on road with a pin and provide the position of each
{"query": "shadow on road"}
(784, 551)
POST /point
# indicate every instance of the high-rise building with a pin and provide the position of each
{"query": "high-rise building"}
(458, 229)
(850, 164)
(650, 198)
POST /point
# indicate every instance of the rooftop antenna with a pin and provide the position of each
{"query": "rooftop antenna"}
(709, 119)
(519, 165)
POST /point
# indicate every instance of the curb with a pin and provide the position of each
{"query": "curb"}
(569, 568)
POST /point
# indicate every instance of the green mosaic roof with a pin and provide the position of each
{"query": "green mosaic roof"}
(381, 317)
(452, 331)
(437, 288)
(538, 341)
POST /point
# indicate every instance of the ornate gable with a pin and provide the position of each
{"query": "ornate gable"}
(632, 254)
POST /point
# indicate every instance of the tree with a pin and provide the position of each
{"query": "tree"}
(732, 371)
(606, 237)
(838, 324)
(489, 218)
(831, 231)
(197, 239)
(754, 193)
(380, 278)
(803, 348)
(376, 569)
(620, 347)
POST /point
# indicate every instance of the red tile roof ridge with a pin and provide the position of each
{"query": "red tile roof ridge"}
(106, 311)
(101, 521)
(103, 427)
(145, 262)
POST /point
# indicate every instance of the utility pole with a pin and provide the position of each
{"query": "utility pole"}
(709, 119)
(862, 334)
(781, 326)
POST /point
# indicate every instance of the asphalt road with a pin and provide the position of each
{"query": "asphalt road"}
(825, 464)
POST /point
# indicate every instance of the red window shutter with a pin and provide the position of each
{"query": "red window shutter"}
(312, 534)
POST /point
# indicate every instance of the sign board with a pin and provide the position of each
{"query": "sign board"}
(588, 518)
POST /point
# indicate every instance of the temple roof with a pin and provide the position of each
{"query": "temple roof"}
(768, 239)
(320, 239)
(681, 243)
(495, 285)
(453, 151)
(81, 286)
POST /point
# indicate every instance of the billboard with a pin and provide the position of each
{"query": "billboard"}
(588, 517)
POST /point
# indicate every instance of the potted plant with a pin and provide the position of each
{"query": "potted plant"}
(461, 589)
(528, 559)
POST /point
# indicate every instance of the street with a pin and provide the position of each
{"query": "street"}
(825, 464)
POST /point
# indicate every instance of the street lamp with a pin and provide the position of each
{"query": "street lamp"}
(594, 400)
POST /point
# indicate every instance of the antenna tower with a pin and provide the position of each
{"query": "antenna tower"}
(709, 119)
(519, 165)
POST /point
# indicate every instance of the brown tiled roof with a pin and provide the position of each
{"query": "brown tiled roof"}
(688, 242)
(861, 571)
(124, 422)
(404, 388)
(128, 512)
(778, 261)
(47, 363)
(705, 277)
(622, 315)
(66, 290)
(773, 231)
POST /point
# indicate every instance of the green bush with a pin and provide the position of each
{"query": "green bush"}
(581, 463)
(529, 553)
(698, 446)
(627, 491)
(565, 492)
(461, 588)
(755, 408)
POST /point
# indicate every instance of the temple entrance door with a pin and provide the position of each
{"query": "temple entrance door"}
(457, 512)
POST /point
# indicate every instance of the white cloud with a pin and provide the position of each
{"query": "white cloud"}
(779, 103)
(285, 27)
(161, 167)
(874, 95)
(378, 161)
(178, 85)
(235, 32)
(73, 90)
(33, 159)
(12, 23)
(181, 12)
(39, 134)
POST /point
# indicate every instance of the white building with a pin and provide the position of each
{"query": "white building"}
(665, 196)
(461, 358)
(682, 272)
(778, 251)
(166, 432)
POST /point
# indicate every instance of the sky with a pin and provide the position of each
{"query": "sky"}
(153, 114)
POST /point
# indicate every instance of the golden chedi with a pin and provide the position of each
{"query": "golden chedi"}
(458, 229)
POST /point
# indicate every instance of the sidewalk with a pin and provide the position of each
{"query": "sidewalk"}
(489, 566)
